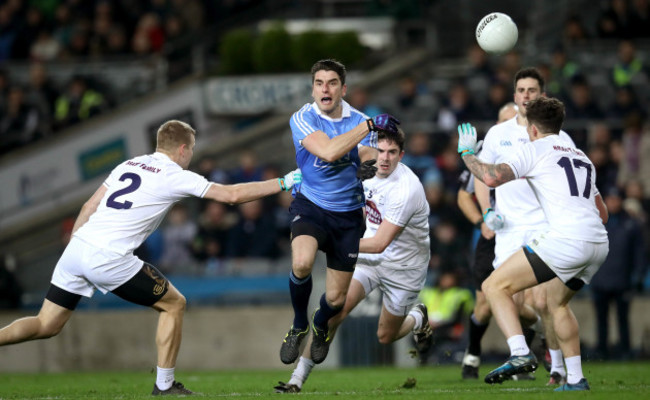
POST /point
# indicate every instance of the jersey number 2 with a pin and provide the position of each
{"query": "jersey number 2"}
(565, 162)
(133, 186)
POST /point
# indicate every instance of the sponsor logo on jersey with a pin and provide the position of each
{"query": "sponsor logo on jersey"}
(372, 213)
(353, 255)
(505, 143)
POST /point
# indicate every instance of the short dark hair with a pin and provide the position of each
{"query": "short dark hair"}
(546, 113)
(529, 72)
(395, 137)
(328, 65)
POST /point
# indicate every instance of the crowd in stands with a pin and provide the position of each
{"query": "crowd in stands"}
(40, 33)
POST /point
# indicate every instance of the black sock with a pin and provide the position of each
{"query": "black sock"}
(300, 290)
(529, 334)
(476, 333)
(324, 313)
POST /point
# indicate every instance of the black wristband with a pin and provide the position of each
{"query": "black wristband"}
(371, 125)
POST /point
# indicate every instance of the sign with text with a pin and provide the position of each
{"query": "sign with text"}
(254, 95)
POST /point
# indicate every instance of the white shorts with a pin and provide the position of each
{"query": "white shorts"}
(400, 287)
(569, 258)
(84, 267)
(508, 243)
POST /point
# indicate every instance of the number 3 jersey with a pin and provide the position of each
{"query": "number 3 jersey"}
(140, 192)
(400, 200)
(563, 180)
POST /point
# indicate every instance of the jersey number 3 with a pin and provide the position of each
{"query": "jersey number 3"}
(112, 201)
(565, 162)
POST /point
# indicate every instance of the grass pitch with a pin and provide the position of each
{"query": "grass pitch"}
(608, 381)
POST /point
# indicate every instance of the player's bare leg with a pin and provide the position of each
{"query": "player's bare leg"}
(514, 275)
(567, 331)
(170, 326)
(168, 341)
(553, 353)
(49, 322)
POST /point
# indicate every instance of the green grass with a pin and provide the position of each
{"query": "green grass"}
(608, 381)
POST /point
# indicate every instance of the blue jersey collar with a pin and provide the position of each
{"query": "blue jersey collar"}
(345, 113)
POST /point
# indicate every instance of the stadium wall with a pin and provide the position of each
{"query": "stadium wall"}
(220, 338)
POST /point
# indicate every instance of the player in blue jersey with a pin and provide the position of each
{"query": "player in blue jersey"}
(335, 148)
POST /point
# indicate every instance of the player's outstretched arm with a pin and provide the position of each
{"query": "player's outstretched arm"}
(244, 192)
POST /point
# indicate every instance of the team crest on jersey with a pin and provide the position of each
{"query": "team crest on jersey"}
(372, 213)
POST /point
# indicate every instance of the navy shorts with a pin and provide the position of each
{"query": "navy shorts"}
(483, 258)
(337, 233)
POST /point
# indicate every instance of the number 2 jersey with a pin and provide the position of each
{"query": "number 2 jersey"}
(140, 192)
(399, 199)
(563, 180)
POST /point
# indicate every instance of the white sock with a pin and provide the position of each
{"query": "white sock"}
(557, 362)
(301, 372)
(417, 316)
(574, 369)
(518, 346)
(165, 378)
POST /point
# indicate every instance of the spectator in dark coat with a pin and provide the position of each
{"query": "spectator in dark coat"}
(619, 276)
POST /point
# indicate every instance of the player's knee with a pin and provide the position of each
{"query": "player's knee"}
(385, 337)
(336, 299)
(301, 268)
(176, 304)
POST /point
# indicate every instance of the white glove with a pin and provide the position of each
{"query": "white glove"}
(493, 220)
(290, 179)
(466, 139)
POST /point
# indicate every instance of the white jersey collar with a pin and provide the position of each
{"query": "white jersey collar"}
(160, 156)
(345, 112)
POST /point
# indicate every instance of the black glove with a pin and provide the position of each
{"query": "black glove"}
(367, 170)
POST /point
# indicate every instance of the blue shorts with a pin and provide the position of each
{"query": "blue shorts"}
(337, 233)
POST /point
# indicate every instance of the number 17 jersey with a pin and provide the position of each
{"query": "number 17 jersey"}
(563, 180)
(139, 193)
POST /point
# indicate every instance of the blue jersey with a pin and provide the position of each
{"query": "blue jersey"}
(333, 186)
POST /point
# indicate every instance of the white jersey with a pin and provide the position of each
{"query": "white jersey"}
(140, 192)
(515, 200)
(563, 180)
(400, 200)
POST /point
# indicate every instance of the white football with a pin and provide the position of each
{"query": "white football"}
(496, 33)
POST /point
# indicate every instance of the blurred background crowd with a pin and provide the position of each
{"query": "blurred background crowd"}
(599, 66)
